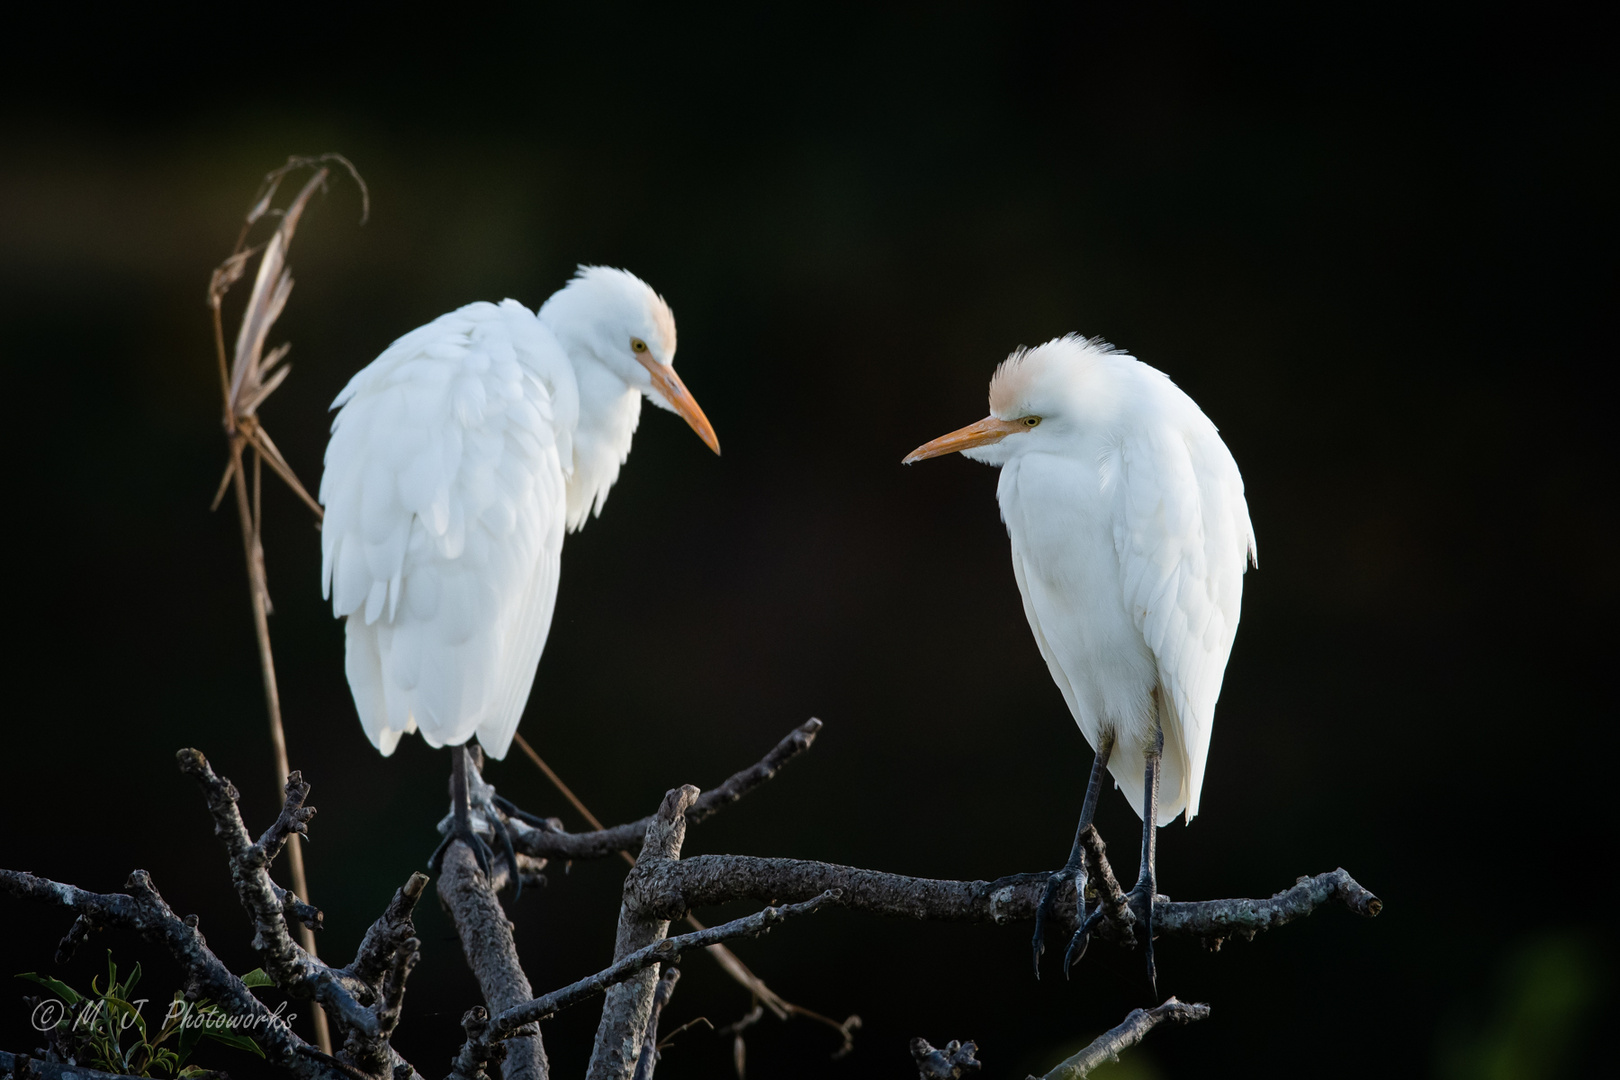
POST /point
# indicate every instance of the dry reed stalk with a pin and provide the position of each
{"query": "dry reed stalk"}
(247, 380)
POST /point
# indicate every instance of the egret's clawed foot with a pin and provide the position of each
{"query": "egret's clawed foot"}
(1076, 873)
(467, 831)
(512, 810)
(1082, 937)
(475, 809)
(461, 829)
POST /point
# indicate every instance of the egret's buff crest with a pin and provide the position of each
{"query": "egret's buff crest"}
(1017, 376)
(590, 281)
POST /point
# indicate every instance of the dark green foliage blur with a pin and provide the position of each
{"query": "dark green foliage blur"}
(107, 1029)
(1370, 241)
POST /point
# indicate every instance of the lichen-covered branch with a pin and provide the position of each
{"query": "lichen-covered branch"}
(376, 955)
(477, 1050)
(952, 1061)
(670, 889)
(629, 1001)
(1213, 921)
(23, 1067)
(1107, 1046)
(491, 952)
(364, 997)
(648, 1061)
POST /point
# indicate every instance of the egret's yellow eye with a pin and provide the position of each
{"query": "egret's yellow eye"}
(638, 345)
(1030, 421)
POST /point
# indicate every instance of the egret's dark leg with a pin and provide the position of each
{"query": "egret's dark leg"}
(1075, 868)
(461, 818)
(1141, 896)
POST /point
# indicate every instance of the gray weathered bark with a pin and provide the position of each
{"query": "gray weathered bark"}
(671, 888)
(629, 1004)
(486, 941)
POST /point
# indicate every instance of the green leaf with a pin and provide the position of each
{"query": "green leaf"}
(193, 1070)
(61, 989)
(257, 978)
(240, 1042)
(121, 1008)
(190, 1036)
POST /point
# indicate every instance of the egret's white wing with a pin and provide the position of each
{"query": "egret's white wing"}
(1182, 532)
(1054, 664)
(445, 509)
(1058, 511)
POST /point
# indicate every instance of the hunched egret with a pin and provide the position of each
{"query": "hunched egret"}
(458, 458)
(1130, 536)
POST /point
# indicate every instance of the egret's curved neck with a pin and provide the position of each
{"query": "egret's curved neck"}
(609, 409)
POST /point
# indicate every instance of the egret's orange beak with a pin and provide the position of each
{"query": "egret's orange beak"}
(986, 431)
(680, 399)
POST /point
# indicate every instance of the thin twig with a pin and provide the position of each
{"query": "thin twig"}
(1107, 1046)
(665, 950)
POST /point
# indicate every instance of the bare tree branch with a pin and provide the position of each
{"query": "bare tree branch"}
(23, 1067)
(364, 997)
(1107, 1046)
(592, 845)
(669, 889)
(292, 967)
(375, 957)
(648, 1061)
(664, 951)
(629, 1003)
(477, 1050)
(545, 843)
(486, 941)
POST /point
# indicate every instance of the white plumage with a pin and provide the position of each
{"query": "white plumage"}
(1130, 536)
(458, 457)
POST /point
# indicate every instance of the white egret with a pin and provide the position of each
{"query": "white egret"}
(1130, 537)
(458, 458)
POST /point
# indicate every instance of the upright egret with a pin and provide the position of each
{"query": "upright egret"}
(458, 458)
(1130, 537)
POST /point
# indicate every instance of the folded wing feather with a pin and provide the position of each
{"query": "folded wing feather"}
(445, 495)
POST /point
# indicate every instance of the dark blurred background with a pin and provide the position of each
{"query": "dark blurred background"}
(1371, 241)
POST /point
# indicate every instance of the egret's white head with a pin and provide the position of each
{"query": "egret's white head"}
(616, 319)
(1035, 395)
